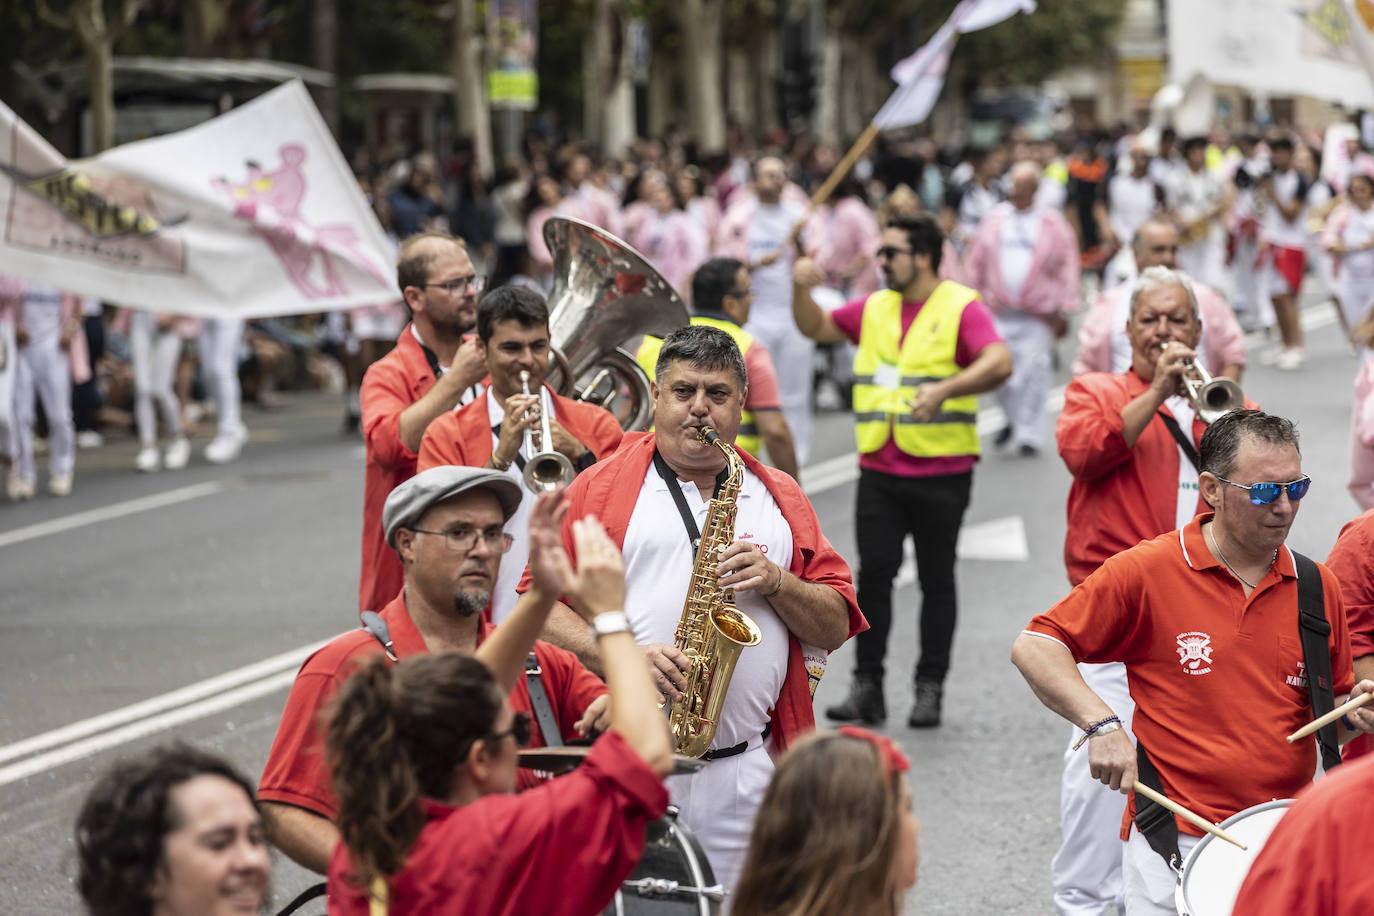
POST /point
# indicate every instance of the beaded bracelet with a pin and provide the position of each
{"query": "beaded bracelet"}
(1345, 720)
(1100, 727)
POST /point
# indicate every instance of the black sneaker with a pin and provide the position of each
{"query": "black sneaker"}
(864, 704)
(1003, 437)
(926, 712)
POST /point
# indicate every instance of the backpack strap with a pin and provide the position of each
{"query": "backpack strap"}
(1315, 631)
(539, 703)
(1154, 821)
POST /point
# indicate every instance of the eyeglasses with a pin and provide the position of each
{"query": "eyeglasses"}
(464, 539)
(891, 251)
(519, 730)
(1262, 494)
(460, 285)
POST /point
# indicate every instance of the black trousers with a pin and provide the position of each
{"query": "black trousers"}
(887, 509)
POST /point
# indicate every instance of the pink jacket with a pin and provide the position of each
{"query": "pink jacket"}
(1052, 284)
(675, 243)
(1103, 346)
(840, 235)
(1334, 228)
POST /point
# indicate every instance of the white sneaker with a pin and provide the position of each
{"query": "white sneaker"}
(61, 485)
(17, 488)
(177, 454)
(148, 459)
(89, 438)
(224, 448)
(1290, 359)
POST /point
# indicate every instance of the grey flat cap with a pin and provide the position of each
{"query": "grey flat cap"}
(412, 499)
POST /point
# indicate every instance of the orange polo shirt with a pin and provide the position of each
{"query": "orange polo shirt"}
(1217, 678)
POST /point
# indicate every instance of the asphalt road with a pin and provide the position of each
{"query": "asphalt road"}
(137, 586)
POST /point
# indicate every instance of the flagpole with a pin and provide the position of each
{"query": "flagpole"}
(842, 167)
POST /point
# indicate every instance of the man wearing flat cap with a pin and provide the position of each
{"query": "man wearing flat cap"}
(446, 525)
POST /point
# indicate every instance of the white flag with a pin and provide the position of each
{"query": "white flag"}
(253, 213)
(921, 77)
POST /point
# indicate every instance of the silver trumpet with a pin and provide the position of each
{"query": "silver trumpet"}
(1211, 397)
(545, 468)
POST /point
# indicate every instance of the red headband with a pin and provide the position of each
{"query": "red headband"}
(892, 757)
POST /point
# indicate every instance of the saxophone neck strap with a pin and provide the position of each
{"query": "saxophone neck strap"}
(689, 521)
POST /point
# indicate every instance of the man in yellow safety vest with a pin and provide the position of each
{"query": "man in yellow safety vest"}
(927, 349)
(721, 297)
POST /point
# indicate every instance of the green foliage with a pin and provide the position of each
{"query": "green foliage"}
(1025, 50)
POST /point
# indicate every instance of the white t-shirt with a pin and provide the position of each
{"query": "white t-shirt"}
(1277, 230)
(503, 595)
(1358, 265)
(1182, 409)
(1195, 193)
(1130, 202)
(658, 567)
(1020, 232)
(772, 284)
(42, 312)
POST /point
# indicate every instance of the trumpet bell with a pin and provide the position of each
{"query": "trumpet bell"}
(548, 471)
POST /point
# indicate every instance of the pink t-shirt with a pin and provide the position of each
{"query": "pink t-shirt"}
(763, 379)
(976, 331)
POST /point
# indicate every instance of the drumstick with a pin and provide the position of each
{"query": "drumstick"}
(1330, 717)
(1187, 815)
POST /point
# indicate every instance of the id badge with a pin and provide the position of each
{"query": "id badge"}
(887, 376)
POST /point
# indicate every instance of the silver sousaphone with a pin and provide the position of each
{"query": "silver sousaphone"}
(605, 297)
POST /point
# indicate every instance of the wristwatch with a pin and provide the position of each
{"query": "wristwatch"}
(610, 622)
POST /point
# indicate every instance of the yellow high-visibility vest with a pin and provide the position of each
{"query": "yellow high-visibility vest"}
(887, 369)
(748, 437)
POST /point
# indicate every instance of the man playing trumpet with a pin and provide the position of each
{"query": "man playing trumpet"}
(1134, 478)
(490, 432)
(1205, 621)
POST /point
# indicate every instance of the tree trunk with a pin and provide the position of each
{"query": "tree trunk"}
(830, 105)
(596, 52)
(661, 107)
(100, 67)
(618, 116)
(853, 116)
(470, 114)
(768, 66)
(739, 86)
(324, 55)
(699, 23)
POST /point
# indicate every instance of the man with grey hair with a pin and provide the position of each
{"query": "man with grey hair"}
(1104, 345)
(654, 496)
(1024, 262)
(1130, 440)
(446, 525)
(1206, 622)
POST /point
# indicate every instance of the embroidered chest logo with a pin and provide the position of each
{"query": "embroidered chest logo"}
(1195, 652)
(1299, 679)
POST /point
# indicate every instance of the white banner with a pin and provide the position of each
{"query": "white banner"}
(253, 213)
(1278, 47)
(921, 76)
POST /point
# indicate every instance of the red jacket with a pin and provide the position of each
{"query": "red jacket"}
(391, 384)
(464, 436)
(609, 491)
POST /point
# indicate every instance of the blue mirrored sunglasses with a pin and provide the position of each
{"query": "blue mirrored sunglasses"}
(1262, 494)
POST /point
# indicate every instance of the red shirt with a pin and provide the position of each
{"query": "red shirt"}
(1352, 562)
(763, 379)
(1316, 862)
(1216, 677)
(976, 331)
(562, 848)
(464, 436)
(296, 772)
(391, 384)
(1120, 495)
(609, 491)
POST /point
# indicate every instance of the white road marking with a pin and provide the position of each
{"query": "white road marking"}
(107, 513)
(997, 539)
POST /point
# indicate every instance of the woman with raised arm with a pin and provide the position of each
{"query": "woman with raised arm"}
(424, 755)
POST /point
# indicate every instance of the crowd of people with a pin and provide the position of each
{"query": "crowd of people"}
(496, 617)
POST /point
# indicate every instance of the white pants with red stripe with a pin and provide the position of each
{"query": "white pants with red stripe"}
(1087, 869)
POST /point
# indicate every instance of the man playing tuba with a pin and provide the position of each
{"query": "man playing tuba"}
(653, 496)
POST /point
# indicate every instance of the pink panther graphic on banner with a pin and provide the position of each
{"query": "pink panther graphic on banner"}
(271, 201)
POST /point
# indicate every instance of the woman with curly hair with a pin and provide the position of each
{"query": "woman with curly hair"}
(172, 832)
(835, 834)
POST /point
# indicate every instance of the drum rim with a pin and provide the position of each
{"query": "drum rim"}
(1180, 886)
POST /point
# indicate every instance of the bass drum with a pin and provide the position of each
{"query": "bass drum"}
(672, 878)
(1214, 871)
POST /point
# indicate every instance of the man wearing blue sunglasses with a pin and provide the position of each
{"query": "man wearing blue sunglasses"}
(1205, 620)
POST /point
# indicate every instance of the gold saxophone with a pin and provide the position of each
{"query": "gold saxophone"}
(712, 631)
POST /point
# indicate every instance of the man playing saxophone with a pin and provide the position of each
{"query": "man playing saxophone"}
(654, 496)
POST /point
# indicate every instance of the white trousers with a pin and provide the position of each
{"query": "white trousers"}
(1356, 295)
(1249, 296)
(718, 803)
(1086, 870)
(1148, 881)
(43, 370)
(155, 355)
(793, 357)
(219, 362)
(9, 370)
(1023, 395)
